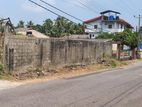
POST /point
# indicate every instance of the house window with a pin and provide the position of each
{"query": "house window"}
(95, 26)
(90, 36)
(121, 26)
(110, 26)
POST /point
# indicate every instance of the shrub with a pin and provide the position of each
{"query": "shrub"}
(1, 69)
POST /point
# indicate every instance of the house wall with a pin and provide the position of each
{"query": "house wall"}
(52, 53)
(116, 27)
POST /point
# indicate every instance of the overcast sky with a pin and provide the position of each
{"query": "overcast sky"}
(25, 10)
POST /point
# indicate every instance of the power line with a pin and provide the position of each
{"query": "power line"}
(87, 7)
(98, 4)
(74, 3)
(44, 7)
(61, 10)
(56, 13)
(48, 9)
(130, 5)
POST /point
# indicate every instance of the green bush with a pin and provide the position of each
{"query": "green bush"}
(105, 36)
(1, 69)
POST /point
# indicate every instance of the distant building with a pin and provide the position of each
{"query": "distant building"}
(109, 21)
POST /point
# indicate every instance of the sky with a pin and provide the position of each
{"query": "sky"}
(26, 11)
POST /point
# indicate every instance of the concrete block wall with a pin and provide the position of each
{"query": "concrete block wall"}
(1, 47)
(48, 53)
(78, 52)
(25, 52)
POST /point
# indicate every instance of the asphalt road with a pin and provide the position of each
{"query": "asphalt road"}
(116, 88)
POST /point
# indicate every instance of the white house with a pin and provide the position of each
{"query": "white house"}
(109, 21)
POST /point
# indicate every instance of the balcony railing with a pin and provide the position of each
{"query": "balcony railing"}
(103, 30)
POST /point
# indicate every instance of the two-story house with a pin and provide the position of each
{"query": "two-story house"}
(109, 21)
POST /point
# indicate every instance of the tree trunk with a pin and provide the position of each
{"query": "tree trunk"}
(133, 53)
(119, 51)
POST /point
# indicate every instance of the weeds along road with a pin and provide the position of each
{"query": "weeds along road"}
(116, 88)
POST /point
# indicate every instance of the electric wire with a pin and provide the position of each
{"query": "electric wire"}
(57, 13)
(89, 8)
(61, 10)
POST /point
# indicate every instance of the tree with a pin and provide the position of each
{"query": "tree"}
(39, 28)
(47, 26)
(57, 28)
(30, 24)
(129, 38)
(80, 29)
(21, 24)
(60, 24)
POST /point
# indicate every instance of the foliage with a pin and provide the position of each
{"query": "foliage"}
(57, 28)
(1, 69)
(1, 29)
(39, 28)
(21, 24)
(127, 37)
(47, 25)
(105, 36)
(30, 24)
(113, 63)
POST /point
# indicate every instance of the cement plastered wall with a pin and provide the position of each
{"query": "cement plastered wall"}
(48, 53)
(78, 52)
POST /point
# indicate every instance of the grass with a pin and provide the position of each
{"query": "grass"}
(113, 63)
(6, 77)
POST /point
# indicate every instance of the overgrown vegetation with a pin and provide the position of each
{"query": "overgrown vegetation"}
(68, 71)
(1, 69)
(113, 63)
(127, 37)
(105, 36)
(4, 75)
(57, 28)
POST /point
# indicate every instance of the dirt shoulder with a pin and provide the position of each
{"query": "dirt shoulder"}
(8, 84)
(66, 72)
(73, 71)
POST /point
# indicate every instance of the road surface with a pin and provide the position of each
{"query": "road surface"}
(116, 88)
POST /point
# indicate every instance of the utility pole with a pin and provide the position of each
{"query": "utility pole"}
(139, 17)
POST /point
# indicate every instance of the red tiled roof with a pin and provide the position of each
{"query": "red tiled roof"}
(122, 21)
(92, 20)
